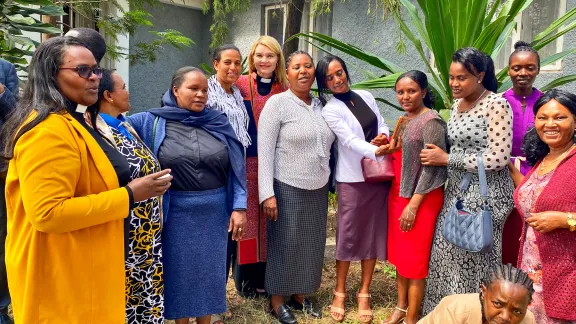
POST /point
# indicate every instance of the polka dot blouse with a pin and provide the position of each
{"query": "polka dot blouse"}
(486, 128)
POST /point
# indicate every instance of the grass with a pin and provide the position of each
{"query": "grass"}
(383, 290)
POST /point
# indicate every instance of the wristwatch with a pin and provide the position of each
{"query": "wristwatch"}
(571, 222)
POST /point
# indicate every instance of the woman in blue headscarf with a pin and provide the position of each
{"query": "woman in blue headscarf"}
(207, 196)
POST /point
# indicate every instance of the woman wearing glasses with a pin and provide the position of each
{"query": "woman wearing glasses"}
(67, 193)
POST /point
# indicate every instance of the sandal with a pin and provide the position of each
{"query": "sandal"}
(364, 315)
(400, 320)
(337, 310)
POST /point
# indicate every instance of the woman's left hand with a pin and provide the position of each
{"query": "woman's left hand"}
(547, 221)
(379, 140)
(407, 218)
(237, 223)
(432, 155)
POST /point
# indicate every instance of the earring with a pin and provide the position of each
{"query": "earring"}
(479, 81)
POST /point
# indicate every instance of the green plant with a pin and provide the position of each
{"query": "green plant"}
(18, 16)
(448, 25)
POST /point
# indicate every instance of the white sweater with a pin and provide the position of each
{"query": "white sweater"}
(293, 144)
(352, 145)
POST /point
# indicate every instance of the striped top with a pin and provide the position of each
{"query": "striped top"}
(293, 144)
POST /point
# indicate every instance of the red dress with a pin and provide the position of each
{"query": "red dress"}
(410, 251)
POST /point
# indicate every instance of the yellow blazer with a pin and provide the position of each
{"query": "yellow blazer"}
(462, 309)
(64, 250)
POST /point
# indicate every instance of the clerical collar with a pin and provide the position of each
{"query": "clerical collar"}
(346, 96)
(260, 79)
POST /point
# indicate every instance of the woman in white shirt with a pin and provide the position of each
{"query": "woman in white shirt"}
(361, 225)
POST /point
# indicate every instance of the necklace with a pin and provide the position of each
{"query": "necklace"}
(474, 104)
(542, 166)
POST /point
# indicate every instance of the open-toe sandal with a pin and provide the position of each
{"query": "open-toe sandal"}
(400, 320)
(364, 315)
(337, 310)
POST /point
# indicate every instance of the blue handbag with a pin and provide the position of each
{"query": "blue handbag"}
(470, 231)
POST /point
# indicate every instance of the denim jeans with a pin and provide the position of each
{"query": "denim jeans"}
(4, 293)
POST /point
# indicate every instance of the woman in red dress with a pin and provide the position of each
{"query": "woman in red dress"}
(416, 195)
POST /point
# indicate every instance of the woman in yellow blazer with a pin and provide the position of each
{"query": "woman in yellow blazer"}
(64, 195)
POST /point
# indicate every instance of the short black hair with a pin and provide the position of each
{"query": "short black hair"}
(522, 46)
(218, 52)
(422, 80)
(289, 58)
(106, 83)
(476, 62)
(532, 146)
(91, 39)
(322, 70)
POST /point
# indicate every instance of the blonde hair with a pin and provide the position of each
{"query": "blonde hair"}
(274, 46)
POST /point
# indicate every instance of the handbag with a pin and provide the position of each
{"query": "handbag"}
(470, 231)
(377, 171)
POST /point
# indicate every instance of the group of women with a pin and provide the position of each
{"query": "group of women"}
(136, 219)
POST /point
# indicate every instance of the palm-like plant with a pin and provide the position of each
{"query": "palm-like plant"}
(447, 26)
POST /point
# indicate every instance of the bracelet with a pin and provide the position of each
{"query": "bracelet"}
(410, 211)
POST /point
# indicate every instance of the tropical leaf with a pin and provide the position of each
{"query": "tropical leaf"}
(43, 28)
(45, 10)
(558, 82)
(504, 36)
(489, 36)
(351, 50)
(556, 57)
(550, 38)
(416, 21)
(555, 25)
(491, 13)
(386, 82)
(445, 114)
(473, 23)
(505, 84)
(389, 103)
(18, 18)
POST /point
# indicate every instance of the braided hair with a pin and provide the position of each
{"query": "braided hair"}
(521, 46)
(508, 273)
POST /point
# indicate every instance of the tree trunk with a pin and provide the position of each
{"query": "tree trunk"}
(293, 23)
(50, 20)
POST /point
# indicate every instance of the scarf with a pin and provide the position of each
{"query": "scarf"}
(212, 121)
(232, 105)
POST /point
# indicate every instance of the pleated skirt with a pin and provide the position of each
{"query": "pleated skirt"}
(194, 239)
(296, 240)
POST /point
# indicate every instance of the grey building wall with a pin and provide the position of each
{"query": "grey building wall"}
(149, 81)
(350, 23)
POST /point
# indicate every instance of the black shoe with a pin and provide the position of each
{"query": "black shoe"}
(306, 307)
(5, 319)
(284, 315)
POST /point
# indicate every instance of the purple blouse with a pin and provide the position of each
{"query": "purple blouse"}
(521, 122)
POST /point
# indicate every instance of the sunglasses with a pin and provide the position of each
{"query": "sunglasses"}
(85, 72)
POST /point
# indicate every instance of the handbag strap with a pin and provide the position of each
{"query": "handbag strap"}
(154, 133)
(481, 176)
(250, 85)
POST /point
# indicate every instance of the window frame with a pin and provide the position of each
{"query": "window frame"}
(275, 6)
(553, 68)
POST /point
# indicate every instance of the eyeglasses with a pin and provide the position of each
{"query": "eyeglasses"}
(84, 71)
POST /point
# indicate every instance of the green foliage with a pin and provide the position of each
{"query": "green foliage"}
(221, 9)
(441, 27)
(16, 17)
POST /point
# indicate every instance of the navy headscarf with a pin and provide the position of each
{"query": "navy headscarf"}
(214, 122)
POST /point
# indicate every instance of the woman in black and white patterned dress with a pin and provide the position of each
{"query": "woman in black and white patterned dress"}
(142, 228)
(480, 121)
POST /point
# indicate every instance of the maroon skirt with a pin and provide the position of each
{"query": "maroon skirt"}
(362, 221)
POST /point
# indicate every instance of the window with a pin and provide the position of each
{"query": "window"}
(275, 21)
(274, 18)
(539, 15)
(78, 18)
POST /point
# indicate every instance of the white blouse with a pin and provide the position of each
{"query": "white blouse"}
(352, 145)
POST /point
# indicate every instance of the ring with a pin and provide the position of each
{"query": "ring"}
(533, 224)
(409, 224)
(240, 229)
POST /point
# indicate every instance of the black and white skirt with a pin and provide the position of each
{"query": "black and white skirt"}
(296, 241)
